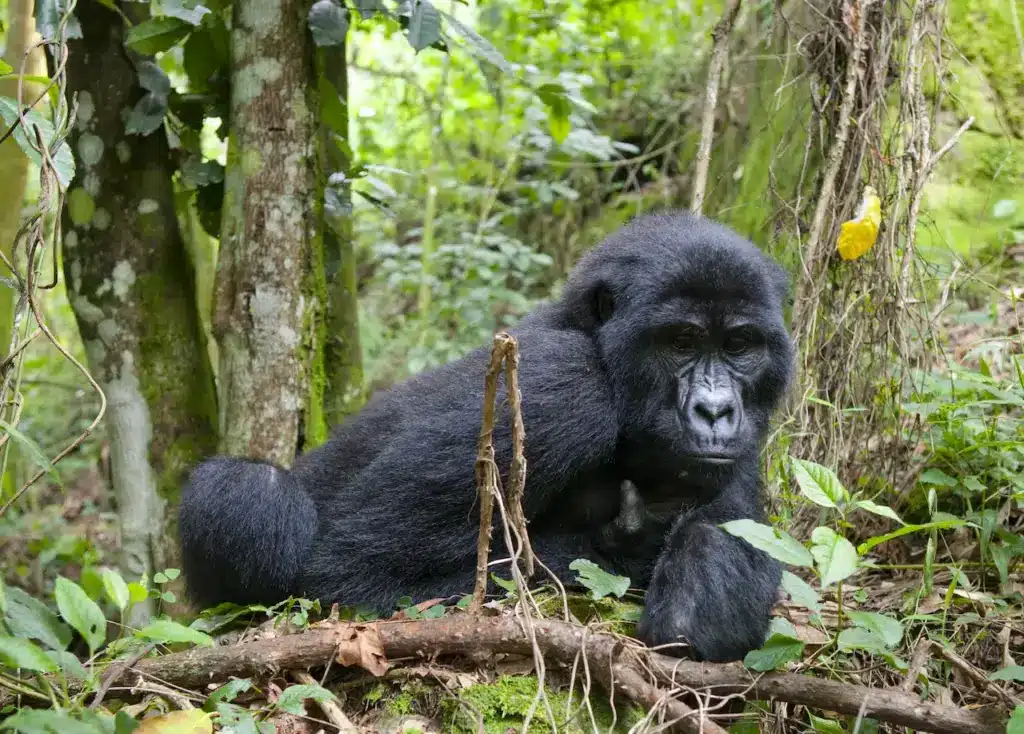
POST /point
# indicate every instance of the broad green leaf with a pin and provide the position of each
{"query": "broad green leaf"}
(600, 582)
(888, 629)
(368, 8)
(859, 638)
(291, 698)
(227, 692)
(779, 544)
(156, 35)
(777, 651)
(937, 477)
(1004, 208)
(81, 612)
(332, 107)
(28, 617)
(819, 484)
(1010, 672)
(434, 612)
(17, 652)
(801, 592)
(189, 11)
(424, 25)
(328, 22)
(47, 721)
(5, 68)
(825, 726)
(906, 530)
(116, 588)
(167, 631)
(884, 511)
(63, 160)
(1016, 723)
(557, 100)
(137, 593)
(834, 555)
(3, 597)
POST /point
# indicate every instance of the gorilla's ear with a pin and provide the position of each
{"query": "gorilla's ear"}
(588, 304)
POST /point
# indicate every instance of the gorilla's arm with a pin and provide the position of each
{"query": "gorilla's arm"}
(711, 589)
(416, 499)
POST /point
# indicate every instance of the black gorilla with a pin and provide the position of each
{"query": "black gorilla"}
(660, 364)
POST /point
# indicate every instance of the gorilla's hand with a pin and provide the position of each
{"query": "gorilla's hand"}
(629, 525)
(709, 589)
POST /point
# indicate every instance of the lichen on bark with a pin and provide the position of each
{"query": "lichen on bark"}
(133, 293)
(266, 305)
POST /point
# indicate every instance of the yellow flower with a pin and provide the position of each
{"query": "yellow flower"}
(858, 235)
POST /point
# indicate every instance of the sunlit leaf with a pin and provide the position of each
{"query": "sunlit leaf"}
(192, 721)
(801, 592)
(819, 484)
(907, 529)
(834, 555)
(1016, 723)
(890, 630)
(17, 652)
(597, 580)
(167, 631)
(81, 612)
(115, 588)
(779, 544)
(937, 477)
(477, 44)
(884, 511)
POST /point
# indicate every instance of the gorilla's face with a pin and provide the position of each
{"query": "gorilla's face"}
(697, 351)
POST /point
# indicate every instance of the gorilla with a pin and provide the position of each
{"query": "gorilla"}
(647, 390)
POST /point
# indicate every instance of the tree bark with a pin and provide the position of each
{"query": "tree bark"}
(267, 300)
(133, 293)
(343, 356)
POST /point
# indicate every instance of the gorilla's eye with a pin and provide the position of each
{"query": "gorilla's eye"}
(604, 304)
(687, 337)
(741, 340)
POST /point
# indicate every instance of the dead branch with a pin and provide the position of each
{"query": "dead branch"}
(637, 673)
(331, 709)
(517, 471)
(719, 52)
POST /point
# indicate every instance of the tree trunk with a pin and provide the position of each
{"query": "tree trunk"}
(133, 293)
(343, 355)
(267, 300)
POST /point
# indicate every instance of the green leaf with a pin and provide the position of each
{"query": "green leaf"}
(817, 483)
(28, 617)
(889, 630)
(292, 697)
(884, 511)
(860, 638)
(1004, 208)
(187, 10)
(777, 651)
(600, 582)
(3, 597)
(779, 544)
(424, 25)
(937, 477)
(5, 68)
(834, 555)
(116, 588)
(906, 530)
(1010, 672)
(332, 107)
(227, 692)
(32, 449)
(137, 593)
(825, 726)
(156, 35)
(1016, 723)
(63, 160)
(166, 631)
(17, 652)
(556, 98)
(39, 721)
(81, 612)
(328, 22)
(801, 592)
(506, 584)
(434, 612)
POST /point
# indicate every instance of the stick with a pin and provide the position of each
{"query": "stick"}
(465, 634)
(719, 52)
(331, 709)
(517, 472)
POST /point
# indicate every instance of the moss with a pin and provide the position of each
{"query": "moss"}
(81, 207)
(504, 703)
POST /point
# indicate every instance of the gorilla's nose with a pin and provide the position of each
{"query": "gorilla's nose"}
(715, 412)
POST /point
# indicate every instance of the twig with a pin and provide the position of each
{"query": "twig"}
(115, 671)
(331, 710)
(517, 471)
(917, 663)
(719, 52)
(469, 634)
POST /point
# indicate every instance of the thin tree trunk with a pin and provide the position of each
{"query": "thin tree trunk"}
(343, 355)
(133, 293)
(267, 300)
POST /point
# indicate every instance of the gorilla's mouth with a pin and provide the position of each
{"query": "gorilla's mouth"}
(714, 458)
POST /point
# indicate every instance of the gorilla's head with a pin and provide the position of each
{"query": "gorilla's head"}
(688, 319)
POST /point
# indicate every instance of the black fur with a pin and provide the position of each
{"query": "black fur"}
(614, 389)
